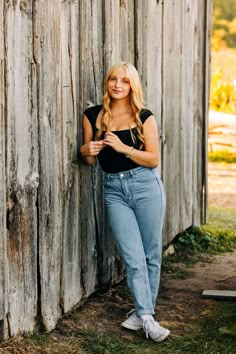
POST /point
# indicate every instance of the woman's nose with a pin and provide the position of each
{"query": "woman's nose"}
(117, 83)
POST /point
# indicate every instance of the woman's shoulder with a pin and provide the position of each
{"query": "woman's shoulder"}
(145, 114)
(92, 112)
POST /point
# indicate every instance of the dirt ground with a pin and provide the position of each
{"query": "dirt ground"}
(179, 301)
(222, 185)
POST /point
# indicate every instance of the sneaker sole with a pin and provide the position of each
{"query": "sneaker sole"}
(162, 337)
(132, 327)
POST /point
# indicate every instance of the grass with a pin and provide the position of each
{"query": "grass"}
(224, 156)
(219, 218)
(201, 337)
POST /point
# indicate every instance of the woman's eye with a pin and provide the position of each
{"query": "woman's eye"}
(112, 78)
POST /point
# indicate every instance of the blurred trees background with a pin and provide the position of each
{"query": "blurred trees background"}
(224, 24)
(223, 83)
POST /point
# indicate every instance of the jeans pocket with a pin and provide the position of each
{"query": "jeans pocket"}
(145, 176)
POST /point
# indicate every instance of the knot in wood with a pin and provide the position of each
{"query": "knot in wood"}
(24, 6)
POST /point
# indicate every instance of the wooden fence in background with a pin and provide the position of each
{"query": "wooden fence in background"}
(55, 247)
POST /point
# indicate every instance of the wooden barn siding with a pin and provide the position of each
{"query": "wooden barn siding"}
(3, 206)
(55, 245)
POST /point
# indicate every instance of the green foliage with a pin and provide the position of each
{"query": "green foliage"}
(197, 239)
(225, 156)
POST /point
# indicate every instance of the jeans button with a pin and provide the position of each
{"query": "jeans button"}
(121, 175)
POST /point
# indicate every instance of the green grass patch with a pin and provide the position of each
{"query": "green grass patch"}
(221, 219)
(225, 156)
(100, 343)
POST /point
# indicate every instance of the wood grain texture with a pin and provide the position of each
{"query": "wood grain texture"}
(71, 291)
(148, 57)
(199, 119)
(127, 31)
(55, 246)
(22, 177)
(111, 32)
(50, 203)
(207, 69)
(3, 204)
(172, 120)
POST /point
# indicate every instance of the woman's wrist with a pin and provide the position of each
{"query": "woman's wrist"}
(83, 151)
(129, 152)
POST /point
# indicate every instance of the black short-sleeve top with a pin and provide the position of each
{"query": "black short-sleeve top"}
(110, 160)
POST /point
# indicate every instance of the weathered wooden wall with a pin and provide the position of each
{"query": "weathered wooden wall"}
(55, 247)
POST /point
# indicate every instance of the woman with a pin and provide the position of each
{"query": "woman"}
(124, 137)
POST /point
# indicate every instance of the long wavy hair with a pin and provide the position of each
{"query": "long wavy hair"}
(136, 101)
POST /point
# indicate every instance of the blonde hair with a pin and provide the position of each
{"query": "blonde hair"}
(136, 101)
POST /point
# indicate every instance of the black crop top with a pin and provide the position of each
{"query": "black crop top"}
(110, 160)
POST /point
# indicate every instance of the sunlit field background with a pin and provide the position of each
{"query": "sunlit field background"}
(222, 116)
(223, 84)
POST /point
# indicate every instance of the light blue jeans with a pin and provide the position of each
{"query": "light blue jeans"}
(135, 203)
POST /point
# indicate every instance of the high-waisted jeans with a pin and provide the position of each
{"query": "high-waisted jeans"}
(135, 203)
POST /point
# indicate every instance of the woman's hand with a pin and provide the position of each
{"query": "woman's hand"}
(92, 148)
(113, 141)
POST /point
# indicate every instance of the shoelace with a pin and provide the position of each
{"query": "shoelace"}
(147, 328)
(151, 326)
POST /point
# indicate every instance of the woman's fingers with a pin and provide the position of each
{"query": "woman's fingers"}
(110, 137)
(95, 147)
(113, 141)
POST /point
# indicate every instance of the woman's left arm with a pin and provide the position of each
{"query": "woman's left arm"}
(149, 157)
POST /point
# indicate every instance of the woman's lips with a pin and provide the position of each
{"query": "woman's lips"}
(116, 91)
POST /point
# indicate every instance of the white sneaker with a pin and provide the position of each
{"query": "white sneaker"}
(133, 321)
(155, 331)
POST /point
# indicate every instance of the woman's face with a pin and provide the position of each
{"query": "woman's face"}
(118, 84)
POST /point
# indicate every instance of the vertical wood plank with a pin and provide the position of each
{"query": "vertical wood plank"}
(111, 33)
(51, 160)
(90, 92)
(71, 291)
(148, 54)
(21, 167)
(126, 32)
(148, 40)
(172, 40)
(207, 74)
(3, 210)
(198, 82)
(186, 114)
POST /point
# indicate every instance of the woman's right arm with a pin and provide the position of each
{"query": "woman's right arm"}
(90, 149)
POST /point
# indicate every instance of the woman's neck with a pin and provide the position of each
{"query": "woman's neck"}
(120, 106)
